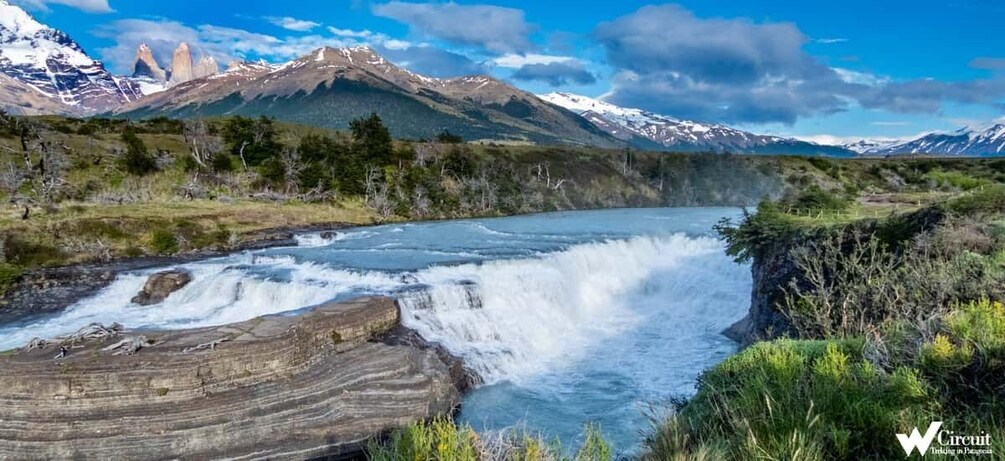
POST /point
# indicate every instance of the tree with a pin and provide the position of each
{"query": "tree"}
(252, 140)
(197, 135)
(11, 180)
(371, 140)
(137, 159)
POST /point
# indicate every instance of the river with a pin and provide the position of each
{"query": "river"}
(570, 318)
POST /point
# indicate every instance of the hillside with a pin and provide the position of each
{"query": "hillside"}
(330, 87)
(109, 185)
(660, 132)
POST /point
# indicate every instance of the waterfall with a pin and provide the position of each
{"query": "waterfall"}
(506, 318)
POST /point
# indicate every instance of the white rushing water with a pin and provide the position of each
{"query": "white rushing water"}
(601, 311)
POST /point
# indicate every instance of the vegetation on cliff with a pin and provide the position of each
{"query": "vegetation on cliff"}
(893, 323)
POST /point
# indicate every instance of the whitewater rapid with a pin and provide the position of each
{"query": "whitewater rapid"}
(567, 317)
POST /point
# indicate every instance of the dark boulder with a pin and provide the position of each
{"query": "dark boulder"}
(160, 285)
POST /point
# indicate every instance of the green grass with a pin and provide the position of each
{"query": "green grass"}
(442, 440)
(844, 399)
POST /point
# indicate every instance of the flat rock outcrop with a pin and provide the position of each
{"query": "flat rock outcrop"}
(280, 387)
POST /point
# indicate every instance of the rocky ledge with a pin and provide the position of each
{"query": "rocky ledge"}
(315, 385)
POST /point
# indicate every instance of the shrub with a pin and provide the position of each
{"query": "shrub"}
(793, 400)
(137, 159)
(9, 274)
(222, 163)
(442, 440)
(816, 200)
(955, 179)
(757, 232)
(163, 242)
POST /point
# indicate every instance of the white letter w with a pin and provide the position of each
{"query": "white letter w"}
(916, 440)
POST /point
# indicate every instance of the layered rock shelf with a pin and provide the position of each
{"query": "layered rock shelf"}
(280, 387)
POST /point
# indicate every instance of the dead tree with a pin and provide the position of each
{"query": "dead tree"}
(197, 136)
(293, 166)
(370, 184)
(11, 180)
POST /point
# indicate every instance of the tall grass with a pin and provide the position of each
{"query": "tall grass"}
(845, 399)
(442, 440)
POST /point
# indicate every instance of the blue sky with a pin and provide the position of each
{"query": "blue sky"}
(851, 68)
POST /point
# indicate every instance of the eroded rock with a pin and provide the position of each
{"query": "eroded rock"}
(316, 385)
(160, 285)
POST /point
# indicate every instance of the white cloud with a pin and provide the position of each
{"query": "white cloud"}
(90, 6)
(494, 28)
(860, 78)
(352, 33)
(397, 45)
(830, 41)
(294, 24)
(514, 61)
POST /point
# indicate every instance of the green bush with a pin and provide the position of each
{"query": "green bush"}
(757, 232)
(845, 399)
(442, 440)
(222, 163)
(163, 242)
(9, 274)
(955, 180)
(807, 400)
(815, 200)
(137, 160)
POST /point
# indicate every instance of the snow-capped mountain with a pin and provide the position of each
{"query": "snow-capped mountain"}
(51, 63)
(669, 133)
(330, 87)
(870, 146)
(975, 141)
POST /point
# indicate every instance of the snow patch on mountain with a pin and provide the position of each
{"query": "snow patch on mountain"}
(972, 141)
(50, 62)
(677, 134)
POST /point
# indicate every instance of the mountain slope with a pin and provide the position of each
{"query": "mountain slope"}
(330, 87)
(976, 141)
(633, 125)
(56, 67)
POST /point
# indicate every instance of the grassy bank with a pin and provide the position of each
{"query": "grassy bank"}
(894, 323)
(97, 189)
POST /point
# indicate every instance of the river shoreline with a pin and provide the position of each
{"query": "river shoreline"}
(50, 290)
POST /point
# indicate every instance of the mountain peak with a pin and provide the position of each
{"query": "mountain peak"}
(146, 66)
(17, 21)
(49, 62)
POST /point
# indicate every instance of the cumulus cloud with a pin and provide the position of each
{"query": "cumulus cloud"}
(556, 73)
(493, 28)
(431, 61)
(90, 6)
(736, 70)
(294, 24)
